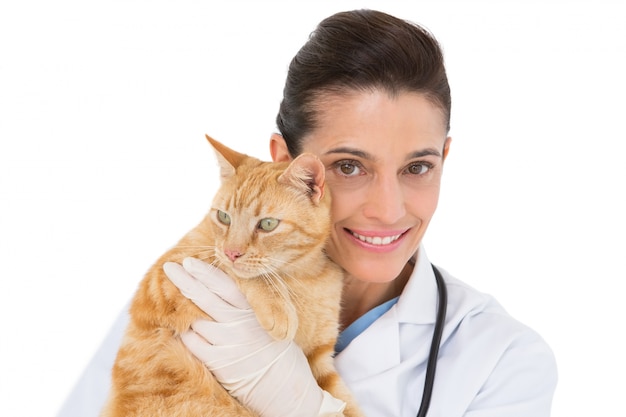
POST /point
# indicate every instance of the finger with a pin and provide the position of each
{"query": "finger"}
(245, 331)
(197, 345)
(215, 279)
(219, 357)
(187, 284)
(200, 295)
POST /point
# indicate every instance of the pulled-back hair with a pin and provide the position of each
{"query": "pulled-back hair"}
(360, 50)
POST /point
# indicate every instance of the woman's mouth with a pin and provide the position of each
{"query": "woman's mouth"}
(377, 240)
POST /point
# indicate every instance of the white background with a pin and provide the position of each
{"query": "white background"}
(103, 165)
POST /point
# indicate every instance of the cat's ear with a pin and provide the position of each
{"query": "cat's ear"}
(306, 173)
(227, 158)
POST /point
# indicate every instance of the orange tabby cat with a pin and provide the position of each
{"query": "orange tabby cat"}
(277, 215)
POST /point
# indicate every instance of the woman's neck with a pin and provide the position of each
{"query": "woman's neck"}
(359, 297)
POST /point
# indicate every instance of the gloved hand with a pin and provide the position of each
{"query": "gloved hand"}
(271, 377)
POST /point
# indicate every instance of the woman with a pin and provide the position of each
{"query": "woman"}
(368, 94)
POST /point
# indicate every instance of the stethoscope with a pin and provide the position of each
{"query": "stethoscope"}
(442, 300)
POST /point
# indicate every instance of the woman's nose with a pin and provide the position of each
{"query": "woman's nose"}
(385, 201)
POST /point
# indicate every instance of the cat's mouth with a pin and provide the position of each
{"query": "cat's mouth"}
(376, 240)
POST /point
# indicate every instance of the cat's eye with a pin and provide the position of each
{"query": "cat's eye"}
(268, 224)
(223, 217)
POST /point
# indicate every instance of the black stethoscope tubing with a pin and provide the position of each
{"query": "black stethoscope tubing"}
(431, 367)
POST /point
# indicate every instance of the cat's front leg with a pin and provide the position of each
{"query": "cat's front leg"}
(273, 308)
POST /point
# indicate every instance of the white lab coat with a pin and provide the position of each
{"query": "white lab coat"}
(489, 364)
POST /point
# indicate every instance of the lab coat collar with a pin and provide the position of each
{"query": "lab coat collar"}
(418, 301)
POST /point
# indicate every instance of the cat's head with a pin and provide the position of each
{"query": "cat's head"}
(268, 217)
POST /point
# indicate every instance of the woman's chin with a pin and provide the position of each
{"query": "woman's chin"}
(376, 272)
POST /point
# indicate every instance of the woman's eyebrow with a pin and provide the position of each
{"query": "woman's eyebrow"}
(424, 152)
(351, 151)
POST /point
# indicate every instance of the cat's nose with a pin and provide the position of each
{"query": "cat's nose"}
(232, 254)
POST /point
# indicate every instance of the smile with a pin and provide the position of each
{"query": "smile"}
(377, 240)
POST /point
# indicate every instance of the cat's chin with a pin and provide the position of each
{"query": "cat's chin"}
(241, 272)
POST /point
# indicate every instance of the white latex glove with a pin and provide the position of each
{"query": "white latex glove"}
(271, 377)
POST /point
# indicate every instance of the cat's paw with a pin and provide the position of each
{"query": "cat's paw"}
(280, 323)
(274, 310)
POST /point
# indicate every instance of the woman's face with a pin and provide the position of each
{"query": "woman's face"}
(384, 158)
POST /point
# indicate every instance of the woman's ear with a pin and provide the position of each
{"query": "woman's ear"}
(278, 149)
(446, 147)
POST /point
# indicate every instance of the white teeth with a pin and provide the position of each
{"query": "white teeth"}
(376, 240)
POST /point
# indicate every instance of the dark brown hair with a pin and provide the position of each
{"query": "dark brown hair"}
(360, 50)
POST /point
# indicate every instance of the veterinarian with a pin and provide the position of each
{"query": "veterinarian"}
(368, 93)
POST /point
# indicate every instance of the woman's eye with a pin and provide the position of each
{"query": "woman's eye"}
(418, 168)
(223, 217)
(348, 168)
(268, 224)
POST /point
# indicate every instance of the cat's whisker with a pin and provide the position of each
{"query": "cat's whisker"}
(278, 261)
(293, 279)
(277, 279)
(276, 282)
(203, 256)
(216, 263)
(202, 252)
